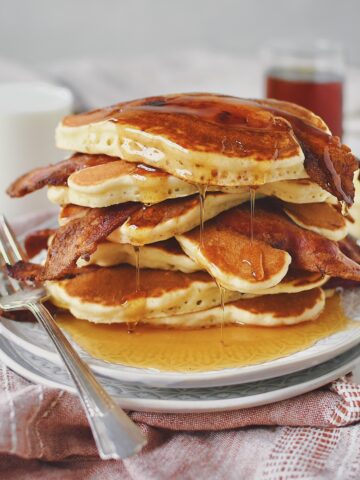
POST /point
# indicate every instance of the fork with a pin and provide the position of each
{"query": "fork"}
(116, 436)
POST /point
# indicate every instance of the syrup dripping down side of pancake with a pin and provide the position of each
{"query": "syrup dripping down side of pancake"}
(131, 326)
(202, 197)
(191, 350)
(252, 192)
(137, 266)
(222, 304)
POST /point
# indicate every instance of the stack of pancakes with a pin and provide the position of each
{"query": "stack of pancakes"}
(196, 210)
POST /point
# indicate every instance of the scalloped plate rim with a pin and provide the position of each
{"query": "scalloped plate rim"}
(311, 356)
(187, 406)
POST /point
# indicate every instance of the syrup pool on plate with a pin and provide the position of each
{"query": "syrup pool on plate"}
(196, 350)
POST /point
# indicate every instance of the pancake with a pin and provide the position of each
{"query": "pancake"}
(296, 281)
(234, 260)
(297, 191)
(108, 295)
(265, 311)
(119, 182)
(321, 218)
(205, 139)
(166, 255)
(64, 195)
(211, 139)
(166, 219)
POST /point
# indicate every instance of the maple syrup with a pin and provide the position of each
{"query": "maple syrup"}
(202, 196)
(137, 266)
(191, 350)
(252, 192)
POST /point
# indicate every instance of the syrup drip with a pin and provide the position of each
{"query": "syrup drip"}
(252, 192)
(256, 265)
(196, 350)
(336, 178)
(202, 195)
(137, 266)
(131, 326)
(255, 260)
(222, 305)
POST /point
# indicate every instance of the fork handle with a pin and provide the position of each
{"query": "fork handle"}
(116, 436)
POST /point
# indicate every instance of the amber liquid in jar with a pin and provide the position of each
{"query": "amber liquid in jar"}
(320, 92)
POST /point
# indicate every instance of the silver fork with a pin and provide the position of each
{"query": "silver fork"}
(116, 436)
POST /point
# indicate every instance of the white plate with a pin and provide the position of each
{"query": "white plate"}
(31, 337)
(142, 398)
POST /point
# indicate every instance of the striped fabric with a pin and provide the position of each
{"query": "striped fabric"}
(44, 434)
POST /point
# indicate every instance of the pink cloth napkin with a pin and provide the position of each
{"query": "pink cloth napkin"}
(44, 434)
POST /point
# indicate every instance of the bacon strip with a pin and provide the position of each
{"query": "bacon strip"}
(26, 271)
(309, 251)
(35, 273)
(350, 248)
(327, 162)
(80, 237)
(56, 174)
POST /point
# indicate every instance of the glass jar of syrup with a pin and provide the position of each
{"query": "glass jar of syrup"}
(311, 75)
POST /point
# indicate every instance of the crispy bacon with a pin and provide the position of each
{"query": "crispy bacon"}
(35, 273)
(350, 248)
(309, 251)
(37, 241)
(332, 167)
(26, 272)
(56, 174)
(80, 237)
(337, 282)
(327, 162)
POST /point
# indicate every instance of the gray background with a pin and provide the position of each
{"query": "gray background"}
(37, 31)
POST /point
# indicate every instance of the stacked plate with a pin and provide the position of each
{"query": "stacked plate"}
(26, 349)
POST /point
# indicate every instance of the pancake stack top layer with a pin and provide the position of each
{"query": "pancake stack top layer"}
(195, 210)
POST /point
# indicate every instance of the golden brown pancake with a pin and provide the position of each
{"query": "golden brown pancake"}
(216, 140)
(321, 218)
(295, 281)
(109, 295)
(201, 138)
(297, 191)
(265, 311)
(235, 261)
(117, 182)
